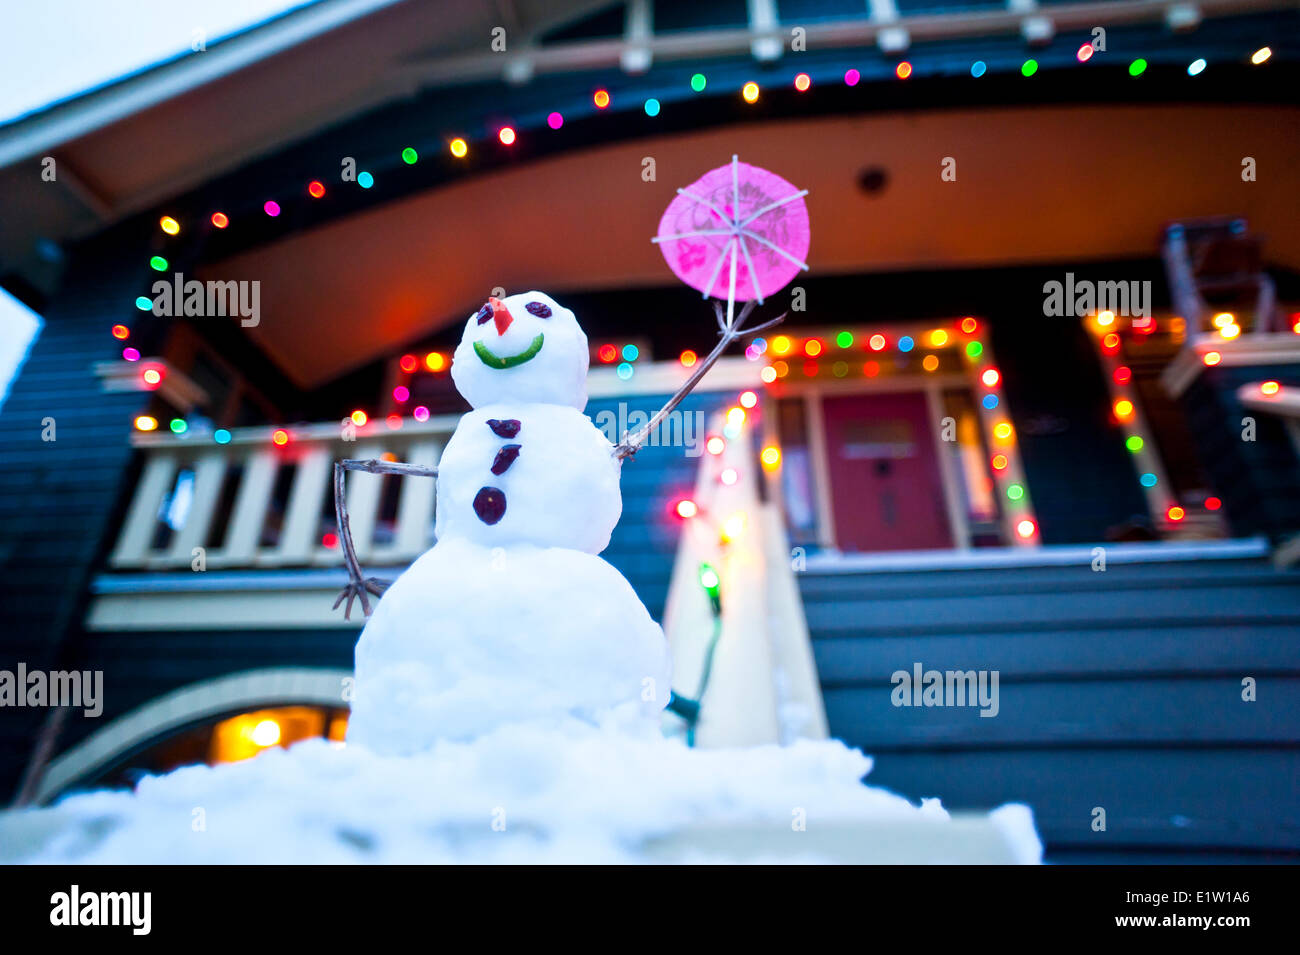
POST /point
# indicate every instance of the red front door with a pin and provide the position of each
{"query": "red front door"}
(886, 492)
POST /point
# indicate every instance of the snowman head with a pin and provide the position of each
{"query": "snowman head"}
(524, 348)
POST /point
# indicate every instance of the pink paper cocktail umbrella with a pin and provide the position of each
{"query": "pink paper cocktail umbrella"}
(738, 232)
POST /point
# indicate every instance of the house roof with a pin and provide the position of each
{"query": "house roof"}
(257, 115)
(160, 131)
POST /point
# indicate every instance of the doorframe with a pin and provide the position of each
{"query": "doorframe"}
(1014, 512)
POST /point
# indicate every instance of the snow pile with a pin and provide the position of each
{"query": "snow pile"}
(567, 792)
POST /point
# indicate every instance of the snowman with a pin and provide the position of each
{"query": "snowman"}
(511, 616)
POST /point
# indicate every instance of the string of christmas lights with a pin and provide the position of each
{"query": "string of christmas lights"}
(957, 348)
(508, 136)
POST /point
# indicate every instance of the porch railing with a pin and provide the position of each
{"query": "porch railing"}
(253, 503)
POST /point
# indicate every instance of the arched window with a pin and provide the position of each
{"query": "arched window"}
(219, 720)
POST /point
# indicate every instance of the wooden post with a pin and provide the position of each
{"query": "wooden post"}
(142, 518)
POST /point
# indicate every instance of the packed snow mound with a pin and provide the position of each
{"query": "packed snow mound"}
(469, 638)
(568, 792)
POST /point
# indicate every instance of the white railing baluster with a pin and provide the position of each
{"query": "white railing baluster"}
(137, 531)
(209, 472)
(415, 507)
(302, 517)
(363, 502)
(245, 530)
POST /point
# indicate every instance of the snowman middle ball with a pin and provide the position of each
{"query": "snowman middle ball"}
(558, 484)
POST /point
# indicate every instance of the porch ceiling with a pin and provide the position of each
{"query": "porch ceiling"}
(1063, 184)
(163, 130)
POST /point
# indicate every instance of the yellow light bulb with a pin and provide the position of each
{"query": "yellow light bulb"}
(266, 733)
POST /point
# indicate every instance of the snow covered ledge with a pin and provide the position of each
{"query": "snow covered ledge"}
(1004, 837)
(759, 680)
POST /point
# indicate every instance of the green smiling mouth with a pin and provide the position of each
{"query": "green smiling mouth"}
(492, 361)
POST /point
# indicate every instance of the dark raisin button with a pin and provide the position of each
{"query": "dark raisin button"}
(483, 314)
(504, 429)
(490, 504)
(540, 309)
(505, 457)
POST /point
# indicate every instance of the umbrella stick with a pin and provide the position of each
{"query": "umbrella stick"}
(731, 287)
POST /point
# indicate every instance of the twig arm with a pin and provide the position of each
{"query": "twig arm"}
(358, 585)
(631, 443)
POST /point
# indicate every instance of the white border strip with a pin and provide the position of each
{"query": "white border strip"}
(1051, 555)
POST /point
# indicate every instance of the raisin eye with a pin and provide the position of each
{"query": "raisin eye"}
(538, 309)
(483, 314)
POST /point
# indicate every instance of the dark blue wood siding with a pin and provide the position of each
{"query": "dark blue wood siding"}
(1119, 689)
(645, 541)
(61, 497)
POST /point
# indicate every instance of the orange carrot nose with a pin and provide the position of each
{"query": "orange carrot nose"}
(500, 314)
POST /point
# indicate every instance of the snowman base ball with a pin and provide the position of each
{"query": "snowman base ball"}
(471, 638)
